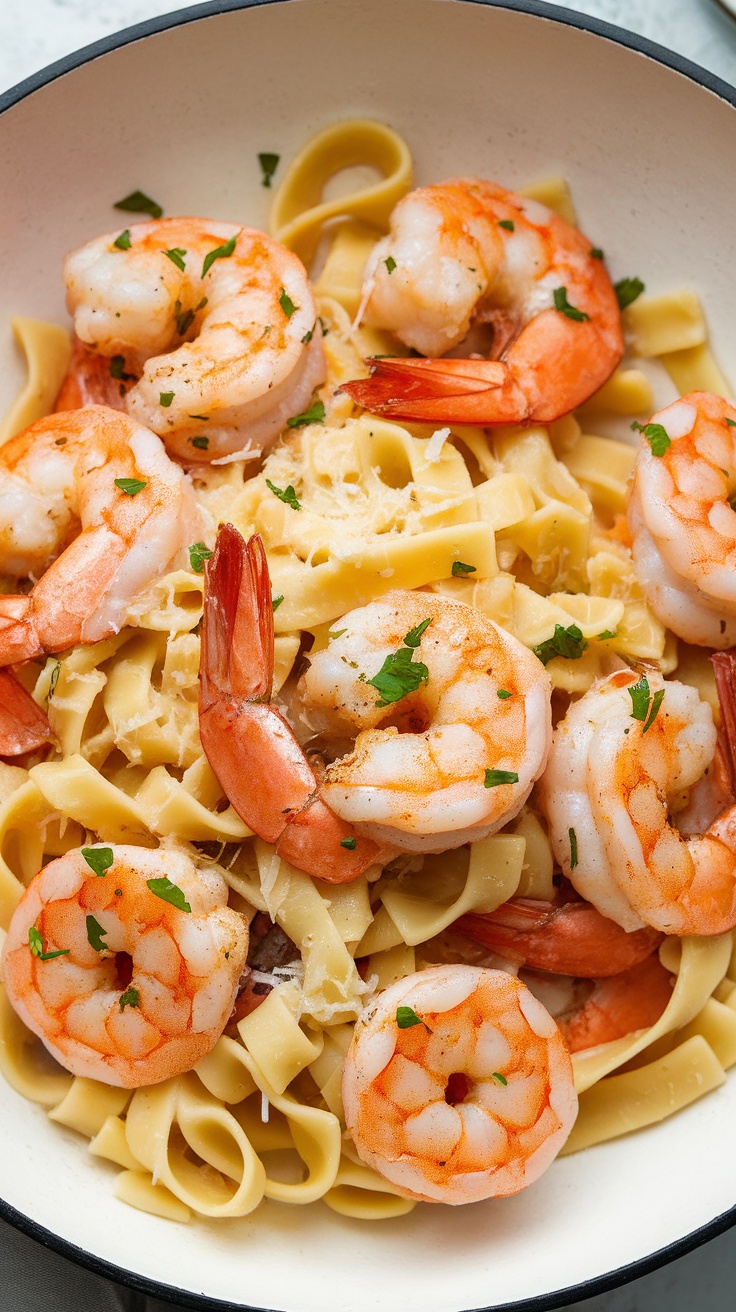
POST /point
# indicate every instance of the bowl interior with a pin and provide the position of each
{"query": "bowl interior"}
(182, 115)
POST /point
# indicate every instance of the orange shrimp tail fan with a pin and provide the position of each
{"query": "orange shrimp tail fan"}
(459, 391)
(24, 725)
(237, 624)
(724, 668)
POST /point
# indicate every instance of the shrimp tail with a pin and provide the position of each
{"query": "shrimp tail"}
(89, 381)
(250, 746)
(24, 725)
(619, 1005)
(724, 668)
(568, 939)
(454, 391)
(19, 640)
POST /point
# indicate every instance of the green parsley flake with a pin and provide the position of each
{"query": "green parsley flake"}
(35, 943)
(390, 263)
(54, 678)
(165, 399)
(406, 1017)
(168, 892)
(130, 998)
(400, 674)
(95, 934)
(98, 859)
(139, 203)
(627, 290)
(336, 634)
(130, 486)
(731, 422)
(176, 255)
(563, 305)
(201, 443)
(287, 495)
(573, 848)
(642, 709)
(220, 253)
(117, 368)
(568, 642)
(458, 569)
(286, 303)
(605, 635)
(498, 1076)
(269, 164)
(494, 778)
(656, 436)
(503, 693)
(308, 336)
(198, 554)
(314, 415)
(349, 843)
(123, 241)
(596, 253)
(508, 224)
(276, 601)
(184, 319)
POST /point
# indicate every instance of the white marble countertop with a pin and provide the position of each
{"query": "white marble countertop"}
(34, 33)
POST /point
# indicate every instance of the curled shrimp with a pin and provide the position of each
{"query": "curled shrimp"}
(250, 746)
(24, 725)
(622, 751)
(91, 498)
(125, 962)
(469, 251)
(682, 520)
(448, 745)
(224, 346)
(567, 937)
(458, 1085)
(590, 1012)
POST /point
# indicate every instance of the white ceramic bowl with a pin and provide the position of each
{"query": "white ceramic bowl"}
(180, 107)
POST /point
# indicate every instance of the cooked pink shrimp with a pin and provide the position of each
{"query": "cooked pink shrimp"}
(590, 1012)
(24, 725)
(101, 470)
(630, 743)
(440, 757)
(567, 937)
(682, 520)
(217, 320)
(125, 962)
(250, 746)
(458, 1085)
(470, 251)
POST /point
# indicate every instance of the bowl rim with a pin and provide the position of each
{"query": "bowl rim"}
(13, 96)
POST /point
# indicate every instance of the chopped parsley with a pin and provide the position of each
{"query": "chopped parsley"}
(568, 642)
(731, 422)
(219, 253)
(287, 495)
(336, 634)
(308, 336)
(95, 934)
(314, 415)
(596, 253)
(276, 601)
(286, 303)
(165, 399)
(201, 443)
(390, 264)
(503, 693)
(508, 224)
(35, 943)
(605, 635)
(458, 569)
(563, 305)
(98, 859)
(400, 674)
(139, 203)
(406, 1017)
(573, 848)
(494, 778)
(54, 678)
(198, 554)
(176, 255)
(627, 290)
(656, 436)
(130, 486)
(498, 1076)
(117, 368)
(642, 708)
(349, 843)
(168, 892)
(269, 164)
(123, 241)
(130, 998)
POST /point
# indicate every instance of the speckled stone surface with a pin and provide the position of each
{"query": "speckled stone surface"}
(34, 33)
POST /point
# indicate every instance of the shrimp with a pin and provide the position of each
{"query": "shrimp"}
(88, 381)
(682, 520)
(592, 1012)
(447, 751)
(567, 937)
(630, 743)
(458, 1085)
(217, 320)
(24, 725)
(100, 470)
(125, 962)
(469, 251)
